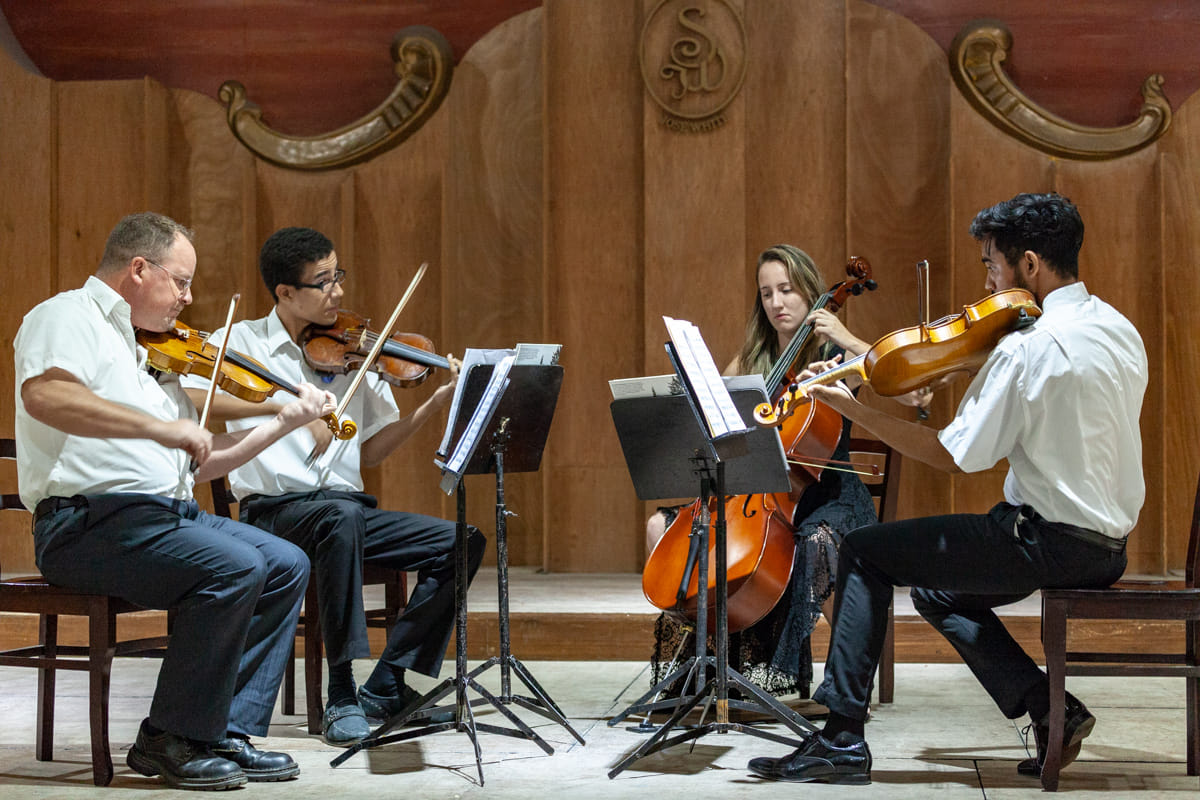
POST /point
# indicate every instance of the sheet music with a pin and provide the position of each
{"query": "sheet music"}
(664, 385)
(454, 467)
(524, 353)
(697, 362)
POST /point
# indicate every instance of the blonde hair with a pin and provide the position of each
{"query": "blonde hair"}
(760, 348)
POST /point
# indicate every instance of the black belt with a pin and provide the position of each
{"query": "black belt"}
(52, 504)
(1082, 534)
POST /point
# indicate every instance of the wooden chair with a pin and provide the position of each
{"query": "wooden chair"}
(395, 597)
(1180, 604)
(885, 488)
(34, 595)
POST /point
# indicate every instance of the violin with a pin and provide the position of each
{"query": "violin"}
(911, 358)
(405, 359)
(186, 351)
(759, 537)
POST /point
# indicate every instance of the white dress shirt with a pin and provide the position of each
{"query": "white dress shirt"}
(281, 468)
(1061, 401)
(88, 333)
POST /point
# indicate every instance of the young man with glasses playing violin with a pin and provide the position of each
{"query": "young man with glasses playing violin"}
(322, 507)
(107, 455)
(1061, 401)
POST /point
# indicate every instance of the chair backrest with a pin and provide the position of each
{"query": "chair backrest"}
(885, 487)
(8, 452)
(9, 501)
(222, 497)
(1193, 552)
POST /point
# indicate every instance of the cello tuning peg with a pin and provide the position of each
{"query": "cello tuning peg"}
(871, 285)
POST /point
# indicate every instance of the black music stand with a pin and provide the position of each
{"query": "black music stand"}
(516, 423)
(667, 450)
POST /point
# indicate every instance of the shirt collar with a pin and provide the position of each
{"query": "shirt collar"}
(1070, 295)
(114, 307)
(278, 338)
(108, 299)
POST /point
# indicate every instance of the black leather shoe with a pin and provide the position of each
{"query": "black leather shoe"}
(765, 767)
(841, 761)
(182, 763)
(379, 708)
(1076, 727)
(256, 764)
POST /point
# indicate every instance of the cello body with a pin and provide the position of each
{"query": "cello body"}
(760, 541)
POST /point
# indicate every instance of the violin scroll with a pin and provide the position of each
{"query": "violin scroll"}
(345, 430)
(769, 415)
(859, 271)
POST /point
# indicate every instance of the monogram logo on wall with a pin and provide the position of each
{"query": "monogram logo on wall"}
(693, 60)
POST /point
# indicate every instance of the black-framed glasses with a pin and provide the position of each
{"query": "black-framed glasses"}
(183, 284)
(326, 285)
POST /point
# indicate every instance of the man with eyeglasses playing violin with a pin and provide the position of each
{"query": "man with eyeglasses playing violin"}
(320, 505)
(107, 456)
(1061, 401)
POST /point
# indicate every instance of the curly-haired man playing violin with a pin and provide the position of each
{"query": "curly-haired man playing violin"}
(1072, 494)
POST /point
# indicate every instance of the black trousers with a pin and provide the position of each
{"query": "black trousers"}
(235, 591)
(961, 566)
(340, 531)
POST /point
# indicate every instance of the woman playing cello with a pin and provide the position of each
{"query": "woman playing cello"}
(775, 652)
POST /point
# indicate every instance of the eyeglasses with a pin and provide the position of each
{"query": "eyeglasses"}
(326, 285)
(183, 284)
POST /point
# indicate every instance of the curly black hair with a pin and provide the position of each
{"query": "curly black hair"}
(1047, 224)
(286, 251)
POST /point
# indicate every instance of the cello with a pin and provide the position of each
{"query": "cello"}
(760, 539)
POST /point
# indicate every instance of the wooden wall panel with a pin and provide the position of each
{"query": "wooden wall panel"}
(112, 161)
(211, 179)
(795, 139)
(397, 226)
(593, 285)
(1119, 203)
(898, 155)
(1179, 300)
(694, 231)
(27, 252)
(492, 236)
(985, 168)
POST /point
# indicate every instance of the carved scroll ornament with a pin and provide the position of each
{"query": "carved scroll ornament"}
(976, 55)
(424, 65)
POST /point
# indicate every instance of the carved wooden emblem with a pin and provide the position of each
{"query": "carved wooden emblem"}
(976, 55)
(423, 64)
(693, 59)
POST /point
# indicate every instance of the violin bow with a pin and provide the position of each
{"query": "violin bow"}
(923, 312)
(216, 376)
(371, 356)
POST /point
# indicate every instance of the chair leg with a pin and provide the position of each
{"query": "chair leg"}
(102, 634)
(288, 701)
(1054, 643)
(312, 660)
(887, 661)
(1193, 726)
(47, 678)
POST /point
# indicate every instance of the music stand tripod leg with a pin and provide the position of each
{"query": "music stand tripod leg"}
(465, 719)
(684, 704)
(542, 703)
